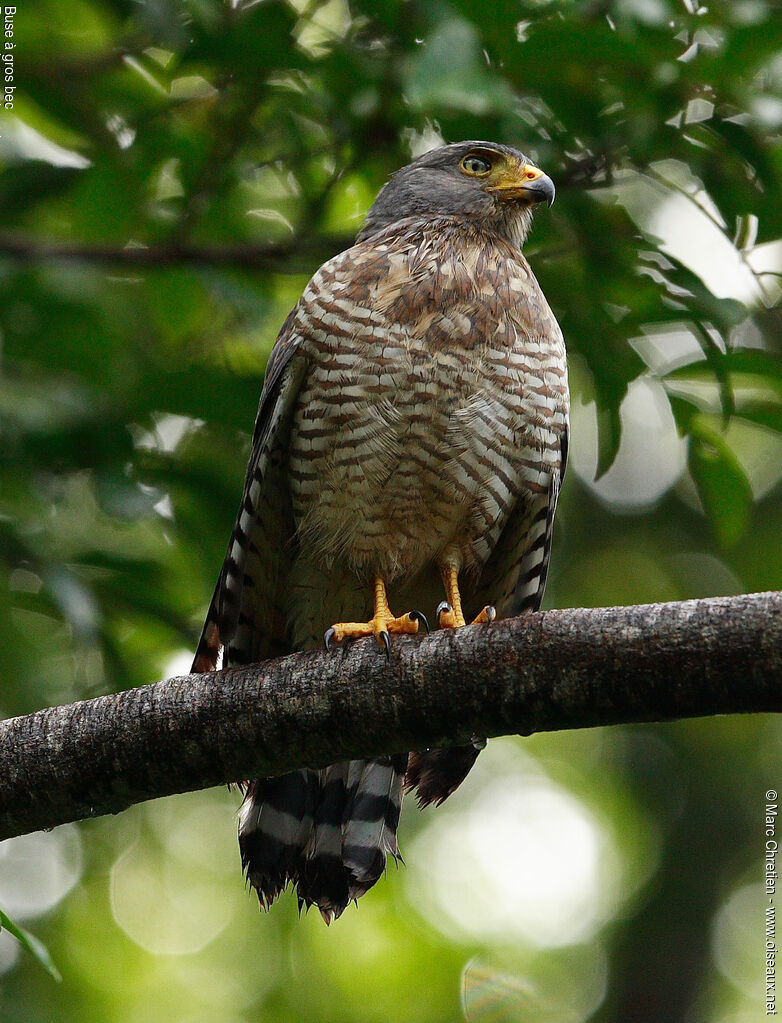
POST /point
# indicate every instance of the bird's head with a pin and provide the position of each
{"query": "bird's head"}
(492, 185)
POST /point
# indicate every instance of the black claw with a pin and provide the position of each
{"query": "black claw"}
(419, 616)
(491, 613)
(385, 639)
(328, 638)
(441, 607)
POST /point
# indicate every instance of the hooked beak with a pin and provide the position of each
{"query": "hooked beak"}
(526, 183)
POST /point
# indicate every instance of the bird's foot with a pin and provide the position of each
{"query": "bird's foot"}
(449, 612)
(486, 616)
(382, 627)
(448, 618)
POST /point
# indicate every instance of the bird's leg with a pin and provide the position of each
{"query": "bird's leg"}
(449, 612)
(381, 626)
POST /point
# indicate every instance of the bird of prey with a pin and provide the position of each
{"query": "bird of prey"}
(408, 453)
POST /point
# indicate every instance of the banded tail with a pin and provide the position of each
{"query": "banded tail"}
(325, 832)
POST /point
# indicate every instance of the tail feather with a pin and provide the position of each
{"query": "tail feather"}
(323, 880)
(275, 824)
(436, 773)
(325, 832)
(369, 833)
(209, 645)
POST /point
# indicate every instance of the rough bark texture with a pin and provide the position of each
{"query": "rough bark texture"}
(545, 672)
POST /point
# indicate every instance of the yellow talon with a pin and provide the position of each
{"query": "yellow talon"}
(381, 626)
(448, 617)
(449, 612)
(486, 616)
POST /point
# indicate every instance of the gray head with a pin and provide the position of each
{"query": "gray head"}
(494, 186)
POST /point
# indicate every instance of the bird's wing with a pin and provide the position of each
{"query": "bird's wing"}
(244, 617)
(513, 580)
(514, 577)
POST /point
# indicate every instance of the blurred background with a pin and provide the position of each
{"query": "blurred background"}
(171, 173)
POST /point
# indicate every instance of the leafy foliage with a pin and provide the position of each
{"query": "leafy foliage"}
(28, 941)
(193, 161)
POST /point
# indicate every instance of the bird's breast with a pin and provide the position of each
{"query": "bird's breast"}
(400, 449)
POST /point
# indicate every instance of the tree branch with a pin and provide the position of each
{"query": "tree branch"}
(549, 671)
(299, 255)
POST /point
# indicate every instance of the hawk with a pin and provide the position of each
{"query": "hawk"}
(408, 452)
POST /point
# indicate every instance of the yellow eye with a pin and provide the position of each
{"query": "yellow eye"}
(475, 165)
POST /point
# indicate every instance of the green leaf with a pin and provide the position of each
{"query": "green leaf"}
(684, 410)
(751, 360)
(609, 436)
(35, 947)
(749, 382)
(763, 413)
(718, 365)
(722, 485)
